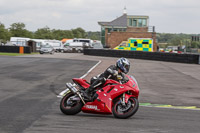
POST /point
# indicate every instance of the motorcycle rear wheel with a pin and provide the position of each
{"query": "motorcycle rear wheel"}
(123, 112)
(70, 109)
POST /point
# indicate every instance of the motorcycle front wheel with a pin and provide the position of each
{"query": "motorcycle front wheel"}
(127, 110)
(70, 107)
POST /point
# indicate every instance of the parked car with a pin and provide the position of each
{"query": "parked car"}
(46, 49)
(97, 45)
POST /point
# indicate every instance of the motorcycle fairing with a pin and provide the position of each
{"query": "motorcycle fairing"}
(106, 95)
(96, 107)
(81, 82)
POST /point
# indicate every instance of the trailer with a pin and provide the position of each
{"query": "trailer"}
(19, 41)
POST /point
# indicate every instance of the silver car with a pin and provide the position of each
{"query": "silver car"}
(46, 49)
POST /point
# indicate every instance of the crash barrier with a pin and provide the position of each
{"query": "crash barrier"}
(15, 49)
(159, 56)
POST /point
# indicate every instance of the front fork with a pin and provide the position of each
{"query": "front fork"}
(124, 98)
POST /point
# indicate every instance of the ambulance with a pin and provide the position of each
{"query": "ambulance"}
(136, 44)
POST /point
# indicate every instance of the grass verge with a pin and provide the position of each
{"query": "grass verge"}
(15, 54)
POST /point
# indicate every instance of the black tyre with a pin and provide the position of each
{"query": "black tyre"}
(70, 107)
(126, 111)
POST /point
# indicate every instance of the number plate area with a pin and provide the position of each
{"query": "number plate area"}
(63, 93)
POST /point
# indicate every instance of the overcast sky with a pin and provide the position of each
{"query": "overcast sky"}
(168, 16)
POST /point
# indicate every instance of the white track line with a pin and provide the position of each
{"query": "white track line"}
(90, 70)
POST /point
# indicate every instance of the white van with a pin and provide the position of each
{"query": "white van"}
(77, 45)
(86, 41)
(57, 45)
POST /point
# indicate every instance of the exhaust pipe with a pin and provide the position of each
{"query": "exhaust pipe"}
(74, 90)
(71, 87)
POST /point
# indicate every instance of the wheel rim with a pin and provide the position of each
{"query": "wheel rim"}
(121, 110)
(68, 104)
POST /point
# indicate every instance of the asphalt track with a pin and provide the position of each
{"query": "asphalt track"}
(28, 88)
(28, 102)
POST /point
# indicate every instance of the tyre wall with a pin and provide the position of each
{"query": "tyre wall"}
(15, 49)
(159, 56)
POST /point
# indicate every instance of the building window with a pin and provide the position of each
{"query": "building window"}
(134, 22)
(139, 22)
(145, 42)
(116, 30)
(144, 22)
(122, 29)
(130, 22)
(103, 35)
(110, 29)
(135, 44)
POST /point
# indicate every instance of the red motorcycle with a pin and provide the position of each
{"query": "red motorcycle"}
(113, 97)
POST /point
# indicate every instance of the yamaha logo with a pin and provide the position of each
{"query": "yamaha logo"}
(92, 107)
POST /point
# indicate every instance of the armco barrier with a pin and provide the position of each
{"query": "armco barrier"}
(159, 56)
(15, 49)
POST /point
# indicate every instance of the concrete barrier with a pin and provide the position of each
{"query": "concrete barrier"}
(159, 56)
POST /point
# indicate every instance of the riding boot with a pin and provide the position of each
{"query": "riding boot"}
(87, 93)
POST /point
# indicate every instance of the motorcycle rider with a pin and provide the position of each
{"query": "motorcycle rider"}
(114, 72)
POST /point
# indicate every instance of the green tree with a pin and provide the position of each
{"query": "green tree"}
(93, 35)
(195, 45)
(43, 33)
(79, 33)
(164, 37)
(69, 34)
(175, 41)
(4, 33)
(57, 34)
(18, 30)
(60, 34)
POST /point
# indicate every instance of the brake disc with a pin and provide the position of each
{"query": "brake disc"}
(122, 108)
